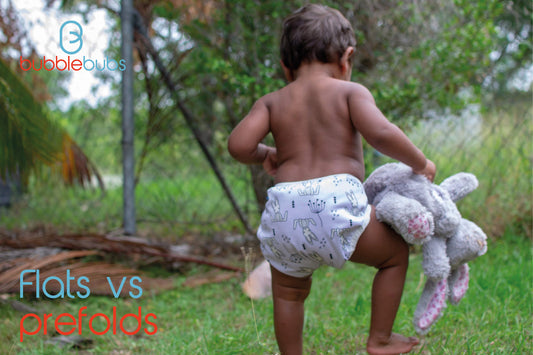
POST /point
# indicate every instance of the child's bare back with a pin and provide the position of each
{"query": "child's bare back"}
(314, 136)
(317, 122)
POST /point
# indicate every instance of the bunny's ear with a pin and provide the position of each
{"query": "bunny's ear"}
(460, 185)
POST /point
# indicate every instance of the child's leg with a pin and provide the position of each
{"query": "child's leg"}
(381, 247)
(289, 294)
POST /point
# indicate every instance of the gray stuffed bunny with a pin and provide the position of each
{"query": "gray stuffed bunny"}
(425, 213)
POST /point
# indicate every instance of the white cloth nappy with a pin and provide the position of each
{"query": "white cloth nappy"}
(311, 223)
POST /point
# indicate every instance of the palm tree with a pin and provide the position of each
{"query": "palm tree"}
(29, 139)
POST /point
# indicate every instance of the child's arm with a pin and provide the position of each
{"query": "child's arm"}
(244, 143)
(384, 135)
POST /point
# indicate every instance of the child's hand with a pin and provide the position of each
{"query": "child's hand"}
(428, 171)
(270, 164)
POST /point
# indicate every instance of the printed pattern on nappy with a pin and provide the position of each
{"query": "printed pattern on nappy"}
(311, 223)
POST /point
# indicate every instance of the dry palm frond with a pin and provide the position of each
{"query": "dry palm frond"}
(30, 139)
(75, 165)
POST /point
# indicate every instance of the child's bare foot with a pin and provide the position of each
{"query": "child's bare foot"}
(395, 344)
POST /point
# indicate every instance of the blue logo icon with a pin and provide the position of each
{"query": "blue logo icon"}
(73, 30)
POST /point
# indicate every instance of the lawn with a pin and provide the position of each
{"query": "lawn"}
(493, 318)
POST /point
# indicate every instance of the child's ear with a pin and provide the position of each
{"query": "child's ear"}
(345, 61)
(289, 75)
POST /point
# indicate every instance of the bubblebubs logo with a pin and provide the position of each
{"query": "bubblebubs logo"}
(71, 42)
(77, 33)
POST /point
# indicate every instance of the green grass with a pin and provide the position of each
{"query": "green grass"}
(65, 208)
(193, 202)
(493, 318)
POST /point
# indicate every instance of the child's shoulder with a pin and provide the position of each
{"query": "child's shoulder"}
(271, 97)
(356, 91)
(352, 90)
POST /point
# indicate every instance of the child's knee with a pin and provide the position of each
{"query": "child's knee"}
(290, 288)
(400, 256)
(291, 294)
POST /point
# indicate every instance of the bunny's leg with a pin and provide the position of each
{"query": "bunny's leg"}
(407, 217)
(458, 283)
(431, 305)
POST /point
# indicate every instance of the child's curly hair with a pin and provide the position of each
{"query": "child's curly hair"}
(315, 32)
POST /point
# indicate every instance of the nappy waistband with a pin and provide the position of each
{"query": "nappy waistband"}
(326, 178)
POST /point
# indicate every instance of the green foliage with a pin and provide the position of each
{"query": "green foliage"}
(236, 55)
(515, 33)
(30, 138)
(75, 208)
(414, 56)
(432, 70)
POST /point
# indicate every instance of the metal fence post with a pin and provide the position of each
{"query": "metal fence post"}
(128, 162)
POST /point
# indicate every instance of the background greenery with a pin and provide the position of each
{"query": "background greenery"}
(438, 69)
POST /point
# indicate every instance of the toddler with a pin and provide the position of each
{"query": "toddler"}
(317, 213)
